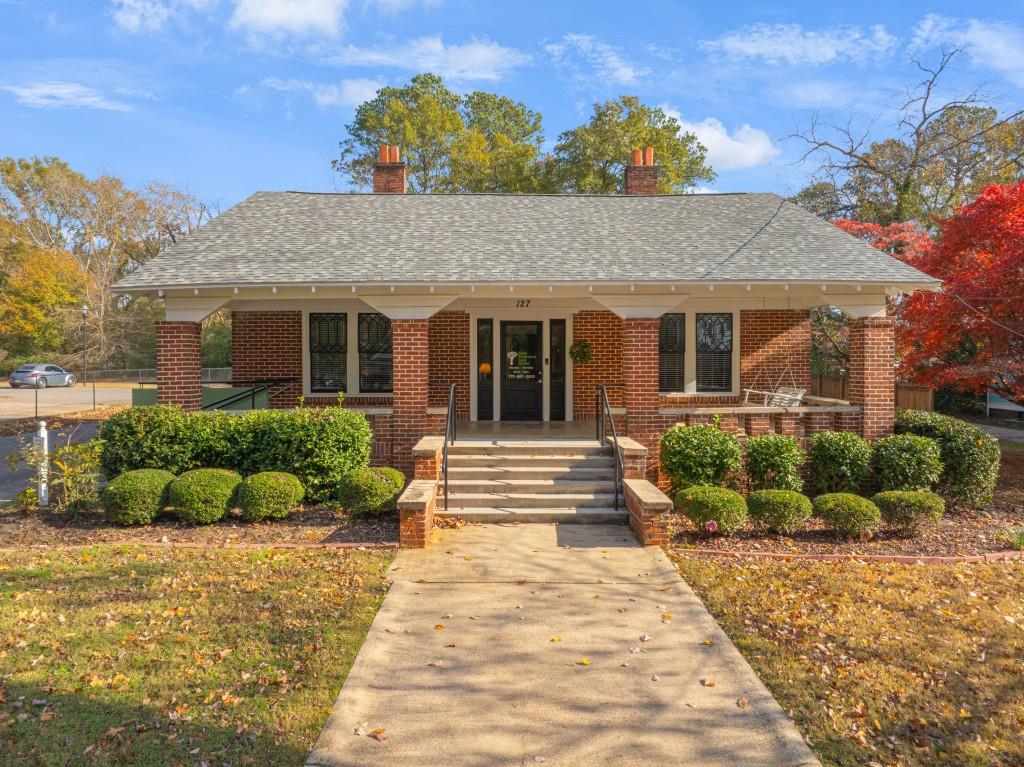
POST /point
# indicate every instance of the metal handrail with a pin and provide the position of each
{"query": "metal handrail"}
(603, 408)
(250, 392)
(449, 433)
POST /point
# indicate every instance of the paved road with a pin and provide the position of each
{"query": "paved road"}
(20, 403)
(1003, 433)
(477, 658)
(11, 482)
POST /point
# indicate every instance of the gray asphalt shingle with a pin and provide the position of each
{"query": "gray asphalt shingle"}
(296, 237)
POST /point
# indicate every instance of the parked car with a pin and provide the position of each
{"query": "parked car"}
(41, 376)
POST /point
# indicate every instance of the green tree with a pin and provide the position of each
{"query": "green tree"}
(591, 158)
(480, 142)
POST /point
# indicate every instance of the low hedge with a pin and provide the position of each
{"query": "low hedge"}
(839, 461)
(906, 462)
(136, 497)
(202, 496)
(773, 462)
(970, 457)
(370, 491)
(910, 511)
(318, 445)
(847, 514)
(700, 455)
(779, 511)
(269, 495)
(712, 509)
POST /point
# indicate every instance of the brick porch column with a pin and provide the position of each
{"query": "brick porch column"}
(410, 365)
(872, 375)
(179, 364)
(640, 379)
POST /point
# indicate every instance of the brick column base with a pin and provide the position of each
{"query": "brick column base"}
(179, 364)
(649, 512)
(416, 513)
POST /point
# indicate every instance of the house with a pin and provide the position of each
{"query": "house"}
(684, 301)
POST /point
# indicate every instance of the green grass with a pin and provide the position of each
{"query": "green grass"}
(143, 656)
(902, 666)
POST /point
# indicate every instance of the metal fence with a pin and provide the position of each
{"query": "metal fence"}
(148, 375)
(908, 396)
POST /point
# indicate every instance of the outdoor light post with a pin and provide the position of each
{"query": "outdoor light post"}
(85, 352)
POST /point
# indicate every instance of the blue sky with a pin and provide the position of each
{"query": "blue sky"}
(224, 97)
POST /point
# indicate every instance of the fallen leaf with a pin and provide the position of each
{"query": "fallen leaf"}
(742, 703)
(707, 682)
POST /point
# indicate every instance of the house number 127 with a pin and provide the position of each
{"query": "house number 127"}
(522, 303)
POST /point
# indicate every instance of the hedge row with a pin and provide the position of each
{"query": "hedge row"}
(718, 510)
(930, 451)
(318, 445)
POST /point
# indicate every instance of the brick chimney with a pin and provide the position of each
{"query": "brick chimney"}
(389, 171)
(642, 173)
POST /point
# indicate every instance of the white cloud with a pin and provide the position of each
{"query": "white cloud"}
(289, 17)
(347, 93)
(475, 60)
(591, 58)
(747, 147)
(992, 44)
(55, 95)
(819, 94)
(152, 15)
(792, 44)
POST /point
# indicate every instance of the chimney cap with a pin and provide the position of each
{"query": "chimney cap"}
(383, 155)
(648, 155)
(635, 157)
(394, 154)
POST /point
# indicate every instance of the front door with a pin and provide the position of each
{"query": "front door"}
(522, 381)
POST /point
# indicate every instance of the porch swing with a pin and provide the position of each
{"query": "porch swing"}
(777, 396)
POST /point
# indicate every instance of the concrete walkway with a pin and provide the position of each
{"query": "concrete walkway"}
(554, 644)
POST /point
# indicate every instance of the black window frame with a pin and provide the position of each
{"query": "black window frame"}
(368, 352)
(328, 347)
(671, 352)
(714, 362)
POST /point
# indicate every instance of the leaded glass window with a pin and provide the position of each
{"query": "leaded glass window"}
(328, 350)
(714, 352)
(374, 353)
(671, 352)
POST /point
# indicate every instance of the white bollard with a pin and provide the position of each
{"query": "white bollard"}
(41, 442)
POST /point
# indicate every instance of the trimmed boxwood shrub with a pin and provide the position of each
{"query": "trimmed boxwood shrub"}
(839, 461)
(318, 445)
(700, 455)
(136, 497)
(269, 495)
(970, 458)
(370, 490)
(847, 514)
(780, 511)
(712, 509)
(773, 462)
(906, 462)
(910, 511)
(202, 496)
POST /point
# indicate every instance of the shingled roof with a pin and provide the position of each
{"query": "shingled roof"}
(282, 238)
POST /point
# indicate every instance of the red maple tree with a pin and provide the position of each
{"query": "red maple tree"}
(971, 334)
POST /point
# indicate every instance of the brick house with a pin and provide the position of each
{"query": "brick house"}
(684, 302)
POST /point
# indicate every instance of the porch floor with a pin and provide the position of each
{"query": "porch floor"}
(578, 433)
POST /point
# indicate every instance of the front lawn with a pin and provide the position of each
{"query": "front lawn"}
(151, 656)
(901, 665)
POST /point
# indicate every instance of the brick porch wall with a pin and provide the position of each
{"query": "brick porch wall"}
(449, 339)
(179, 364)
(603, 330)
(872, 374)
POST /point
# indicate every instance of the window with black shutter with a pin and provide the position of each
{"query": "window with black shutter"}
(374, 353)
(671, 352)
(328, 349)
(714, 352)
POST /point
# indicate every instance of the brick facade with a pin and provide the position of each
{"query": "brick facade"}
(640, 375)
(179, 364)
(449, 338)
(775, 349)
(267, 346)
(603, 331)
(872, 374)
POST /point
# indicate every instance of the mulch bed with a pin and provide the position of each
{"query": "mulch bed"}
(963, 533)
(311, 526)
(26, 426)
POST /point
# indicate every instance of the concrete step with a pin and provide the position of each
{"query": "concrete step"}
(526, 500)
(577, 473)
(542, 448)
(572, 460)
(519, 486)
(581, 516)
